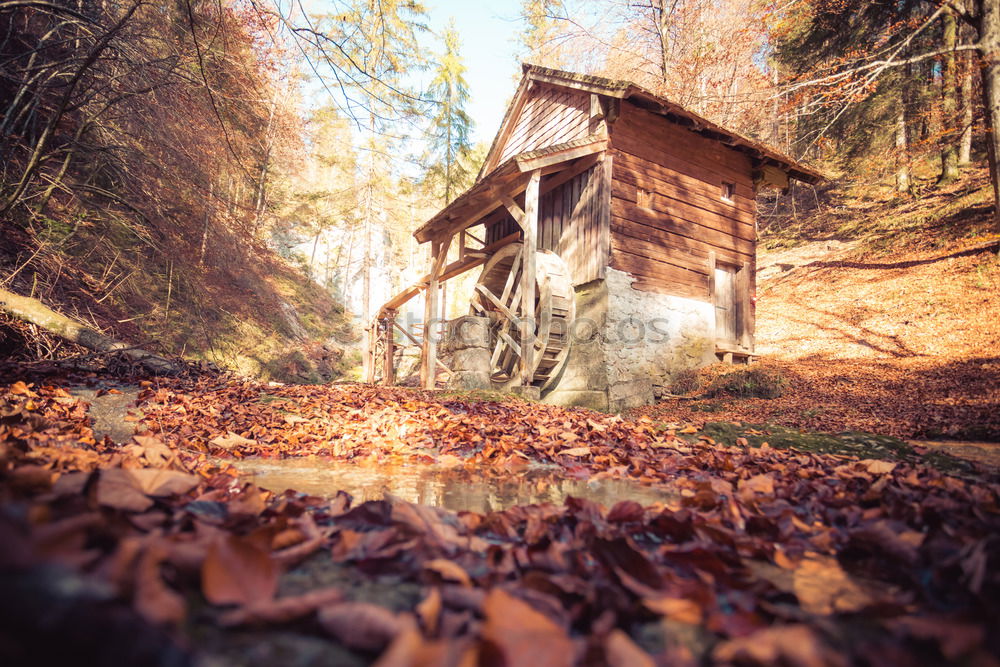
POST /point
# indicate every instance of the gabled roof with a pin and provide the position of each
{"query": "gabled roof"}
(626, 90)
(510, 175)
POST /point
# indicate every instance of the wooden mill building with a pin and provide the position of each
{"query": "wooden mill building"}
(616, 235)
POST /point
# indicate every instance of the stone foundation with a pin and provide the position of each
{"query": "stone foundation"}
(625, 342)
(467, 342)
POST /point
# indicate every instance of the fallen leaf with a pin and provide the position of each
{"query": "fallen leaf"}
(429, 611)
(153, 598)
(574, 451)
(675, 609)
(281, 610)
(154, 451)
(621, 651)
(823, 587)
(360, 625)
(237, 571)
(159, 482)
(448, 571)
(231, 441)
(118, 489)
(787, 645)
(523, 635)
(763, 484)
(878, 467)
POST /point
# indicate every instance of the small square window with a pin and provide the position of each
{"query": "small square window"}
(728, 191)
(643, 198)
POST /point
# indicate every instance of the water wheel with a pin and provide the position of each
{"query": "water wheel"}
(498, 296)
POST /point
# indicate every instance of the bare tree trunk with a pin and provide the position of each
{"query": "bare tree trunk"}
(902, 149)
(951, 132)
(312, 257)
(261, 199)
(209, 206)
(989, 49)
(35, 312)
(965, 144)
(366, 278)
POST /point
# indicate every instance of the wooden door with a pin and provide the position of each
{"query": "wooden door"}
(726, 329)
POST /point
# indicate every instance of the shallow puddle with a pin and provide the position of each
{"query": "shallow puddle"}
(476, 490)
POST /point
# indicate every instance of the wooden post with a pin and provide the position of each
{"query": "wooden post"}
(712, 298)
(428, 368)
(428, 360)
(747, 286)
(527, 322)
(371, 334)
(388, 369)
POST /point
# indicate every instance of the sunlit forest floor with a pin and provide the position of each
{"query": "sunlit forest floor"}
(879, 315)
(761, 549)
(733, 534)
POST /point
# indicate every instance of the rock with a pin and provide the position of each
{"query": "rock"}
(468, 332)
(474, 359)
(469, 380)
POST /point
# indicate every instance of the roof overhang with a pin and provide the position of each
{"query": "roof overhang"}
(507, 180)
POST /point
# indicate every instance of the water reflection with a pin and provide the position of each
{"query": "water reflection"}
(477, 490)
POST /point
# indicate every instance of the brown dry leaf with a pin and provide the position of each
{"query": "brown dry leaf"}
(281, 610)
(154, 451)
(878, 467)
(429, 611)
(361, 625)
(823, 587)
(410, 649)
(159, 482)
(621, 651)
(675, 609)
(156, 601)
(237, 571)
(574, 451)
(763, 484)
(231, 441)
(118, 489)
(449, 571)
(522, 635)
(788, 645)
(314, 539)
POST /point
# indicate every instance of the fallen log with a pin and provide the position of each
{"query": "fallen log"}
(35, 312)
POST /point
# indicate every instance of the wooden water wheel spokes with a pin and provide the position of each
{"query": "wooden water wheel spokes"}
(498, 296)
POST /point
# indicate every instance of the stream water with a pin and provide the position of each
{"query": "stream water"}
(479, 490)
(476, 490)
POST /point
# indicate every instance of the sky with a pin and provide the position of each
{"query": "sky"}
(488, 29)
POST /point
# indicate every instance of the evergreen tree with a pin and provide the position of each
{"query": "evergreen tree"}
(450, 126)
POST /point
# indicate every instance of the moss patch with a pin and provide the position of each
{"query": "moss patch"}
(850, 443)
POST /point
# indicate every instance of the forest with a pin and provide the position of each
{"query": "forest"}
(731, 270)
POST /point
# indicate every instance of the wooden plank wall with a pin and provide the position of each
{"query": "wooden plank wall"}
(569, 219)
(666, 242)
(550, 116)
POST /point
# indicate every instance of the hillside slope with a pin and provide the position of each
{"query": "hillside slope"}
(245, 309)
(880, 315)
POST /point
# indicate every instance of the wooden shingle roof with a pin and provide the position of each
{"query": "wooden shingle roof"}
(626, 90)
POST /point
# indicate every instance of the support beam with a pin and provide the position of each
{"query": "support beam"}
(367, 367)
(528, 277)
(512, 208)
(428, 360)
(429, 353)
(388, 364)
(562, 157)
